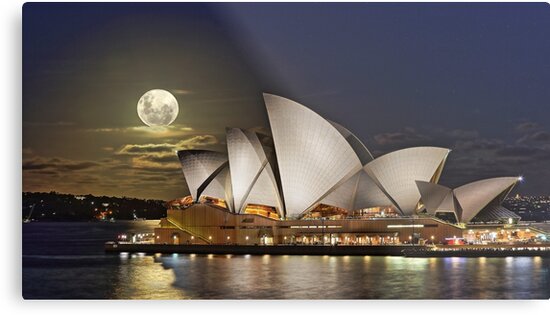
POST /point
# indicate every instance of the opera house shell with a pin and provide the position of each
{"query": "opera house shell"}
(310, 164)
(478, 201)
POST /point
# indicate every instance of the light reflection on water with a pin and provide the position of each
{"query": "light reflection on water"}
(293, 277)
(353, 277)
(55, 269)
(140, 278)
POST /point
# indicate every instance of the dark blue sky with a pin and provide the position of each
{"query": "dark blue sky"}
(472, 77)
(455, 65)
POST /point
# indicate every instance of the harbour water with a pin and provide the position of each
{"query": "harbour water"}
(67, 261)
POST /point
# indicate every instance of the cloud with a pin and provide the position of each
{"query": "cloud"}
(541, 136)
(407, 136)
(46, 172)
(197, 141)
(86, 179)
(27, 151)
(146, 129)
(168, 148)
(478, 144)
(537, 136)
(121, 166)
(181, 91)
(517, 151)
(153, 164)
(159, 157)
(224, 100)
(48, 123)
(474, 157)
(532, 134)
(172, 131)
(57, 164)
(156, 178)
(61, 174)
(162, 158)
(461, 134)
(484, 158)
(118, 175)
(136, 149)
(527, 126)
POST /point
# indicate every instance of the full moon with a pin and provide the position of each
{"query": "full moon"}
(157, 108)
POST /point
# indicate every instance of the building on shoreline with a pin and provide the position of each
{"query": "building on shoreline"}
(212, 224)
(311, 181)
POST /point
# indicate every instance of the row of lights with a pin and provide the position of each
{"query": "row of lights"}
(210, 237)
(304, 238)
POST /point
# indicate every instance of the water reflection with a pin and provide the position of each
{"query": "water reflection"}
(353, 277)
(54, 269)
(141, 278)
(537, 261)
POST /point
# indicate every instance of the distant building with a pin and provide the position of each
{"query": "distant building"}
(313, 181)
(530, 208)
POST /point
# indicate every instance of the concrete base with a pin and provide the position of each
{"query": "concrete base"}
(258, 250)
(382, 250)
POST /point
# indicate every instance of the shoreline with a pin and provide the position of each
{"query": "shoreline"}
(383, 250)
(340, 250)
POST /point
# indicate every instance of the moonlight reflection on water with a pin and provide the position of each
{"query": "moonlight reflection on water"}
(66, 261)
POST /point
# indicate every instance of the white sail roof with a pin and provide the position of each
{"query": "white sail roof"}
(312, 155)
(198, 167)
(252, 178)
(473, 197)
(312, 161)
(465, 201)
(395, 173)
(360, 149)
(343, 196)
(220, 187)
(368, 194)
(433, 195)
(438, 198)
(359, 192)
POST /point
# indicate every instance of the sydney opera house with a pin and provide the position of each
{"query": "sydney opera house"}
(311, 181)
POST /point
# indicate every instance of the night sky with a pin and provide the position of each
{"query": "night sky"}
(471, 77)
